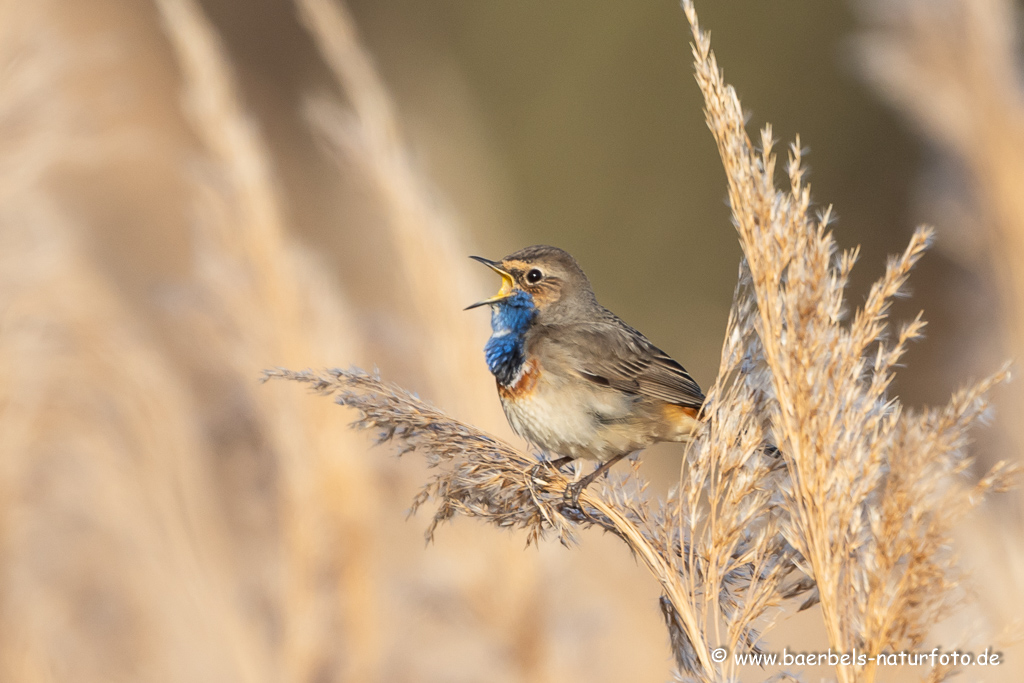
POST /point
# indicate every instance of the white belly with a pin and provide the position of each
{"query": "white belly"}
(564, 419)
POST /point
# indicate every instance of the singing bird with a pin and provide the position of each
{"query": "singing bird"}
(573, 379)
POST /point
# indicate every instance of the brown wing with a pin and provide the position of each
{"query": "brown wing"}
(615, 355)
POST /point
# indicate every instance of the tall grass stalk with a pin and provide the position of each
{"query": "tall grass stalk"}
(429, 252)
(851, 450)
(109, 546)
(262, 297)
(428, 269)
(952, 68)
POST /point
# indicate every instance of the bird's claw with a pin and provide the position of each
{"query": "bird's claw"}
(571, 495)
(574, 514)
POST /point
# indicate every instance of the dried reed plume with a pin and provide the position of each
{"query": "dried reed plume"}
(429, 267)
(423, 237)
(953, 69)
(109, 543)
(808, 481)
(261, 297)
(870, 515)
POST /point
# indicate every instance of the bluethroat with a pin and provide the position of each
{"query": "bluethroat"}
(574, 380)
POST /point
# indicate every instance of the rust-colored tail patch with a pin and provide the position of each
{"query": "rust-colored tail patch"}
(682, 414)
(681, 421)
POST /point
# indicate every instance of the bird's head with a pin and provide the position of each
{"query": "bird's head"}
(543, 278)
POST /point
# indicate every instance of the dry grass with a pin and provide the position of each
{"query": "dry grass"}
(111, 550)
(165, 517)
(953, 69)
(428, 254)
(427, 264)
(261, 297)
(870, 516)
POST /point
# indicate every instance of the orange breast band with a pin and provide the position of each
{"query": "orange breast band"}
(524, 384)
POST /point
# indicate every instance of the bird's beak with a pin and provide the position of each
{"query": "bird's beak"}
(507, 282)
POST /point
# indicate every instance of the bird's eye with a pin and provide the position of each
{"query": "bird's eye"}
(534, 276)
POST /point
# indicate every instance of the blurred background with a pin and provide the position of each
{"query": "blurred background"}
(191, 192)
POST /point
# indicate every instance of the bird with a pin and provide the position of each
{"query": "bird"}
(573, 379)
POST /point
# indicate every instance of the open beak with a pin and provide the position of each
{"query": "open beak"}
(507, 282)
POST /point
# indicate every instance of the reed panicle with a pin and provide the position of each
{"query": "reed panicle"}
(260, 296)
(426, 252)
(477, 469)
(109, 545)
(424, 238)
(952, 69)
(848, 446)
(480, 476)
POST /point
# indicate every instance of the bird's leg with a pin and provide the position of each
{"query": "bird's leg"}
(556, 465)
(559, 463)
(571, 497)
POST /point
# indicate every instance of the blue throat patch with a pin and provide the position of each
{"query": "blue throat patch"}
(506, 349)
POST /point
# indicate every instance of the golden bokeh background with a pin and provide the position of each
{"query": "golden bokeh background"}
(193, 192)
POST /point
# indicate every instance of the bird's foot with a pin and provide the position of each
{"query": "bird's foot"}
(571, 495)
